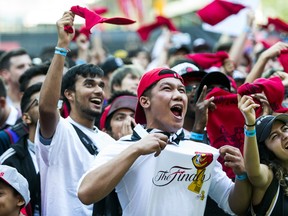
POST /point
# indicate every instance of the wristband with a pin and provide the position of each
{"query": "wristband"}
(242, 177)
(252, 125)
(249, 133)
(61, 51)
(247, 29)
(196, 136)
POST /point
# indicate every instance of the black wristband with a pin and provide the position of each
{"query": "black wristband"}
(250, 125)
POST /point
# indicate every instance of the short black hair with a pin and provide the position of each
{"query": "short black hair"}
(30, 73)
(6, 56)
(26, 98)
(3, 91)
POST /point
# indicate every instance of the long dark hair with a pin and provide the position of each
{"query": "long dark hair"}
(269, 158)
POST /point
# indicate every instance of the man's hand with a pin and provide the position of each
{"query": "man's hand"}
(64, 38)
(201, 111)
(151, 143)
(233, 159)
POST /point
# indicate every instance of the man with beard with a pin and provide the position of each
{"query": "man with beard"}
(65, 148)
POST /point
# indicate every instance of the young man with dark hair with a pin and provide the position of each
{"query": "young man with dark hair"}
(33, 75)
(176, 182)
(21, 155)
(65, 148)
(8, 113)
(12, 65)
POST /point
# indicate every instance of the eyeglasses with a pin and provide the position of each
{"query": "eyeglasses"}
(34, 102)
(191, 88)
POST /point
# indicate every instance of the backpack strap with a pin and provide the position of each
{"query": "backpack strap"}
(264, 205)
(86, 141)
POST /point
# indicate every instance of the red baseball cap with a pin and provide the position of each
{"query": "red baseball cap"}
(148, 79)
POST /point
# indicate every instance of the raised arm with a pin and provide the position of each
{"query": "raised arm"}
(51, 88)
(242, 187)
(100, 181)
(268, 54)
(258, 173)
(238, 45)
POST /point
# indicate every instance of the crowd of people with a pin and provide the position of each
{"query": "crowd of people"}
(187, 128)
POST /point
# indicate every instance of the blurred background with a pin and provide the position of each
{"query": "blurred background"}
(31, 23)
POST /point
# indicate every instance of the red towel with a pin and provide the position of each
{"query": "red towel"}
(145, 30)
(273, 89)
(92, 18)
(283, 58)
(208, 60)
(278, 24)
(218, 10)
(225, 123)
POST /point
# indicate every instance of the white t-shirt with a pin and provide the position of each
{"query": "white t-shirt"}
(158, 185)
(61, 164)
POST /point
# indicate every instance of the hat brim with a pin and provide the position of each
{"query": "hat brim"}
(193, 76)
(268, 127)
(211, 78)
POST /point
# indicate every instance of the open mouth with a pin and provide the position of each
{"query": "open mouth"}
(96, 101)
(177, 110)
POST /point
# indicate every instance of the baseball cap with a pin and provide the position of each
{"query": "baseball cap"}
(148, 79)
(124, 101)
(200, 45)
(189, 72)
(213, 78)
(12, 177)
(264, 125)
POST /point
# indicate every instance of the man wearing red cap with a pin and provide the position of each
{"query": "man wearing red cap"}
(151, 180)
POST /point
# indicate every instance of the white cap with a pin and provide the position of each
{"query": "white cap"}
(12, 177)
(184, 68)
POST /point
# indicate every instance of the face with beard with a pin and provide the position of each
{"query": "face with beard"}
(31, 114)
(87, 99)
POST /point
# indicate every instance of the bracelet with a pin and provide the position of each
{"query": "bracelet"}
(249, 133)
(242, 177)
(61, 51)
(196, 136)
(250, 125)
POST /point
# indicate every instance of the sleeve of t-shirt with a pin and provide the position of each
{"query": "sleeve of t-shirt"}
(220, 188)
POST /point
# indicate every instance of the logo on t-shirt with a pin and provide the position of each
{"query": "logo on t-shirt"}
(200, 162)
(186, 174)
